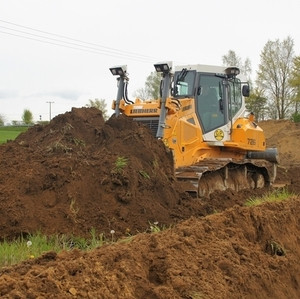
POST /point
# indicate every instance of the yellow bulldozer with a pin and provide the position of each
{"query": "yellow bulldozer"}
(201, 116)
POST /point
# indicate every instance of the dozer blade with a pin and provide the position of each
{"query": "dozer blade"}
(208, 176)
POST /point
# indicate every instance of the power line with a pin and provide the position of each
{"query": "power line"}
(77, 40)
(75, 44)
(72, 47)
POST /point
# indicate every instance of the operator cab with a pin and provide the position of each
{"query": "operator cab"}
(217, 93)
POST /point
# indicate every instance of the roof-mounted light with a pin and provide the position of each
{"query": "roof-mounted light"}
(232, 71)
(163, 67)
(119, 70)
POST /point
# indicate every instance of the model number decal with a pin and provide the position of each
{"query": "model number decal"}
(251, 141)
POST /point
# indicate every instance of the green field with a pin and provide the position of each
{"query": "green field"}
(11, 132)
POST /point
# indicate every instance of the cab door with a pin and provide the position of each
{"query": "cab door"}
(212, 108)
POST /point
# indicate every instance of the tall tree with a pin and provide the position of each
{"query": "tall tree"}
(151, 89)
(295, 81)
(274, 72)
(232, 59)
(141, 94)
(99, 104)
(27, 117)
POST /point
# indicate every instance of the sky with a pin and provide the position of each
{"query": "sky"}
(57, 53)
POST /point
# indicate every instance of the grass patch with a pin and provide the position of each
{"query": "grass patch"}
(156, 228)
(273, 196)
(120, 164)
(144, 174)
(11, 132)
(24, 248)
(33, 246)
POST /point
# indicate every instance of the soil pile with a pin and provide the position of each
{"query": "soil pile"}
(285, 135)
(239, 253)
(80, 172)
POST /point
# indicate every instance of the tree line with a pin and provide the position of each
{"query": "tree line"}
(275, 92)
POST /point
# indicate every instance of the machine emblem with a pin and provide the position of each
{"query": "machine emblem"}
(219, 134)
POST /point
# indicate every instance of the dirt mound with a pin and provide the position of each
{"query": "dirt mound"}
(285, 135)
(80, 173)
(240, 253)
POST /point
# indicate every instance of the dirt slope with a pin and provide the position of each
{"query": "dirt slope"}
(285, 135)
(240, 253)
(63, 178)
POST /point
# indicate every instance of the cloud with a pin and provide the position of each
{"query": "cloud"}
(8, 94)
(66, 94)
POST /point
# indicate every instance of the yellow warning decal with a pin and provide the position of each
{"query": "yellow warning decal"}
(219, 134)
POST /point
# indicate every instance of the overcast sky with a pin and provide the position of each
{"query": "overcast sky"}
(61, 50)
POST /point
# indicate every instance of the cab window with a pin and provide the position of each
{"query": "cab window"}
(235, 97)
(184, 82)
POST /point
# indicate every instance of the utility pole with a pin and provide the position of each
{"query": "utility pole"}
(50, 109)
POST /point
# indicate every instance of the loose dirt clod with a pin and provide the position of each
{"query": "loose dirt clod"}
(80, 173)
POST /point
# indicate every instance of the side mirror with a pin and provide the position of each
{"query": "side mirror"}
(246, 91)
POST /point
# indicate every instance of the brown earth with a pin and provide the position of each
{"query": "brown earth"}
(67, 178)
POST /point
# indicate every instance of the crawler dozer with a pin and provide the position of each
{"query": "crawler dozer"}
(201, 116)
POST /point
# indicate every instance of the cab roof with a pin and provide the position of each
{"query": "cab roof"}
(202, 68)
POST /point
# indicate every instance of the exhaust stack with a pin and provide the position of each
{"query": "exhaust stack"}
(270, 154)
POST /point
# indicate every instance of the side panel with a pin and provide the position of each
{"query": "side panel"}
(247, 135)
(183, 134)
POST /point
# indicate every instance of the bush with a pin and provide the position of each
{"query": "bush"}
(296, 117)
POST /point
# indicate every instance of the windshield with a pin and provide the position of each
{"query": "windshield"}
(184, 83)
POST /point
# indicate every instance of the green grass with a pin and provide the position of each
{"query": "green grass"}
(33, 246)
(11, 132)
(273, 196)
(120, 164)
(18, 250)
(144, 174)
